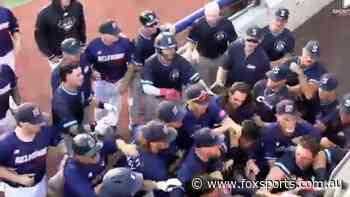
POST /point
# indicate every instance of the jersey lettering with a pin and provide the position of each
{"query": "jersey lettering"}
(107, 58)
(30, 157)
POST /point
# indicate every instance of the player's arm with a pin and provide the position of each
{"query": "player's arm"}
(11, 175)
(41, 36)
(221, 75)
(306, 87)
(282, 60)
(82, 27)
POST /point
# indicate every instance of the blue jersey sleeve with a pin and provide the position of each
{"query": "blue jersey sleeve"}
(77, 185)
(138, 54)
(269, 145)
(54, 135)
(130, 48)
(286, 163)
(189, 73)
(307, 129)
(5, 152)
(55, 79)
(147, 75)
(89, 53)
(109, 146)
(194, 34)
(63, 113)
(216, 112)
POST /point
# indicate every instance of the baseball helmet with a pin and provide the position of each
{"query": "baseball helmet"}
(164, 40)
(71, 46)
(148, 18)
(86, 145)
(121, 182)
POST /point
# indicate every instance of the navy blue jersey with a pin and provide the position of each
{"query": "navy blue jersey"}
(212, 41)
(240, 68)
(67, 108)
(336, 131)
(266, 99)
(8, 26)
(8, 81)
(334, 156)
(275, 142)
(27, 157)
(190, 123)
(180, 72)
(288, 165)
(144, 48)
(193, 166)
(80, 179)
(277, 45)
(86, 69)
(110, 61)
(244, 112)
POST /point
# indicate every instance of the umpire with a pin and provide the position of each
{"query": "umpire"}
(57, 21)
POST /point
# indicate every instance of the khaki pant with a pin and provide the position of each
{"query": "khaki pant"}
(135, 100)
(208, 68)
(151, 104)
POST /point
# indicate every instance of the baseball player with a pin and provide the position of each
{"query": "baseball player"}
(245, 60)
(68, 103)
(84, 170)
(278, 136)
(267, 93)
(121, 182)
(308, 70)
(59, 20)
(208, 40)
(237, 102)
(278, 42)
(24, 152)
(110, 55)
(144, 48)
(8, 87)
(10, 38)
(165, 73)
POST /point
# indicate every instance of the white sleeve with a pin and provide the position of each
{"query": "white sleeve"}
(151, 90)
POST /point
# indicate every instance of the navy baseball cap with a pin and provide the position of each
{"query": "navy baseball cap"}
(287, 107)
(255, 32)
(121, 182)
(197, 94)
(169, 111)
(205, 137)
(155, 131)
(110, 27)
(71, 46)
(30, 113)
(282, 14)
(86, 145)
(345, 104)
(328, 82)
(313, 47)
(278, 73)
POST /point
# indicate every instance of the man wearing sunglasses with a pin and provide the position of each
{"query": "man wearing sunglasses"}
(278, 41)
(201, 111)
(245, 60)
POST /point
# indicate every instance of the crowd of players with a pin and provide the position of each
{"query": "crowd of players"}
(221, 107)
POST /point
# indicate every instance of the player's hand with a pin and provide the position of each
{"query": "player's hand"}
(319, 125)
(26, 179)
(127, 149)
(294, 67)
(170, 94)
(326, 143)
(251, 170)
(96, 76)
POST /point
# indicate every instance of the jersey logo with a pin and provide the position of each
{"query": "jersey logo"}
(347, 103)
(16, 151)
(174, 75)
(99, 52)
(90, 175)
(324, 81)
(280, 45)
(275, 70)
(251, 67)
(4, 25)
(314, 49)
(219, 36)
(289, 108)
(67, 23)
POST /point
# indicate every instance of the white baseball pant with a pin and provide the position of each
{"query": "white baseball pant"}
(38, 190)
(8, 123)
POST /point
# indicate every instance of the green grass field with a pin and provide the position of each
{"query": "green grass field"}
(14, 3)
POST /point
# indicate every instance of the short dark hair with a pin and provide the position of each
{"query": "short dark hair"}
(311, 143)
(250, 130)
(240, 86)
(64, 70)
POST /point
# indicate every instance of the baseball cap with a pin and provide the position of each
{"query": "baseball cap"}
(205, 137)
(110, 27)
(278, 73)
(255, 32)
(30, 113)
(313, 47)
(155, 131)
(328, 82)
(345, 104)
(197, 94)
(287, 107)
(71, 46)
(282, 14)
(86, 145)
(121, 182)
(169, 111)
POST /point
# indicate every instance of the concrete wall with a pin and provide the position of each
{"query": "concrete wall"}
(301, 10)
